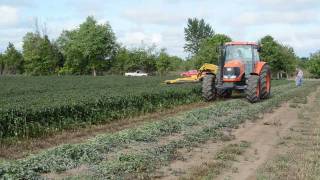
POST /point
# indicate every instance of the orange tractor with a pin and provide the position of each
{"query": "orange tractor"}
(240, 69)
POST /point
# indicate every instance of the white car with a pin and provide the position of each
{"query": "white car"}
(136, 74)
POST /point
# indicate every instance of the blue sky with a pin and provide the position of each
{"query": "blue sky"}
(161, 22)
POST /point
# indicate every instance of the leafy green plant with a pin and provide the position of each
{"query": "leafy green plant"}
(36, 106)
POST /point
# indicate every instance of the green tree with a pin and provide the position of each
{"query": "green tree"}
(13, 60)
(281, 58)
(143, 58)
(195, 32)
(41, 56)
(176, 63)
(163, 62)
(1, 63)
(120, 62)
(88, 48)
(208, 52)
(314, 64)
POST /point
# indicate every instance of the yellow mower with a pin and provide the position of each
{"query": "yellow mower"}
(206, 68)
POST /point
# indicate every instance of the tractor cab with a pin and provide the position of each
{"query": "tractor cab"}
(238, 60)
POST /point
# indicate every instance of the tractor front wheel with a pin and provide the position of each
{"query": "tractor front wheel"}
(253, 88)
(265, 79)
(209, 87)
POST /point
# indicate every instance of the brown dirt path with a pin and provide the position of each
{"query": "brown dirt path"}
(263, 134)
(22, 148)
(264, 141)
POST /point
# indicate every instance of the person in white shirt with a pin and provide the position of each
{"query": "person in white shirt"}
(299, 77)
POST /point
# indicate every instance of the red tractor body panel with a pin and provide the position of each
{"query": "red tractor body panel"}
(258, 67)
(241, 43)
(233, 64)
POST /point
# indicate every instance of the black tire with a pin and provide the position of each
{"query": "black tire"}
(253, 89)
(208, 87)
(224, 93)
(265, 89)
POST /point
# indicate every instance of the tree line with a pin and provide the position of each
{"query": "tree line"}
(92, 48)
(202, 42)
(89, 49)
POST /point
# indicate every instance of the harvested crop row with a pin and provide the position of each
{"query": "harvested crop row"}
(147, 161)
(71, 156)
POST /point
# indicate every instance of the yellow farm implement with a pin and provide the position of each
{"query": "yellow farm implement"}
(206, 68)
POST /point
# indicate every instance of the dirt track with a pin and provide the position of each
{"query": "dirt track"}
(263, 135)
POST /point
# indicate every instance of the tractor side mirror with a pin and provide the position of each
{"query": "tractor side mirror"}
(219, 48)
(259, 49)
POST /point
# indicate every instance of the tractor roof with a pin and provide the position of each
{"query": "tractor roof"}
(241, 43)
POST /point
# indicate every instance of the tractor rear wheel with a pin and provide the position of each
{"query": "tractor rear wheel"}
(224, 93)
(253, 88)
(265, 79)
(209, 87)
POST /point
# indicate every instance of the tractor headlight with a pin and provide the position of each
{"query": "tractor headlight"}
(231, 72)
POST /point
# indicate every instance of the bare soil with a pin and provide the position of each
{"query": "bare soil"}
(22, 148)
(263, 134)
(265, 141)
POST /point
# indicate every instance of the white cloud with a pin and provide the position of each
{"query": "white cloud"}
(287, 2)
(9, 16)
(263, 18)
(136, 38)
(154, 16)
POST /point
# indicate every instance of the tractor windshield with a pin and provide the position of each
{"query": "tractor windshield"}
(243, 53)
(239, 52)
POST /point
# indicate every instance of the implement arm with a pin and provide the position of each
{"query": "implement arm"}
(206, 68)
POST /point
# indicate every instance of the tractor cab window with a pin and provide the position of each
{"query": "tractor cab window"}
(243, 53)
(256, 55)
(239, 52)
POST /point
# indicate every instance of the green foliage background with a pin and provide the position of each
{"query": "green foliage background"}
(92, 48)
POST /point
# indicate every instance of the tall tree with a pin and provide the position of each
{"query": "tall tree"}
(281, 58)
(13, 60)
(88, 48)
(208, 50)
(195, 32)
(120, 62)
(1, 63)
(314, 64)
(41, 56)
(163, 62)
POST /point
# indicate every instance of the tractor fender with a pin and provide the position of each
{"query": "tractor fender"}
(258, 68)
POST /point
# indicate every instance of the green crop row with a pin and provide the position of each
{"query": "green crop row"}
(32, 123)
(52, 108)
(38, 106)
(94, 152)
